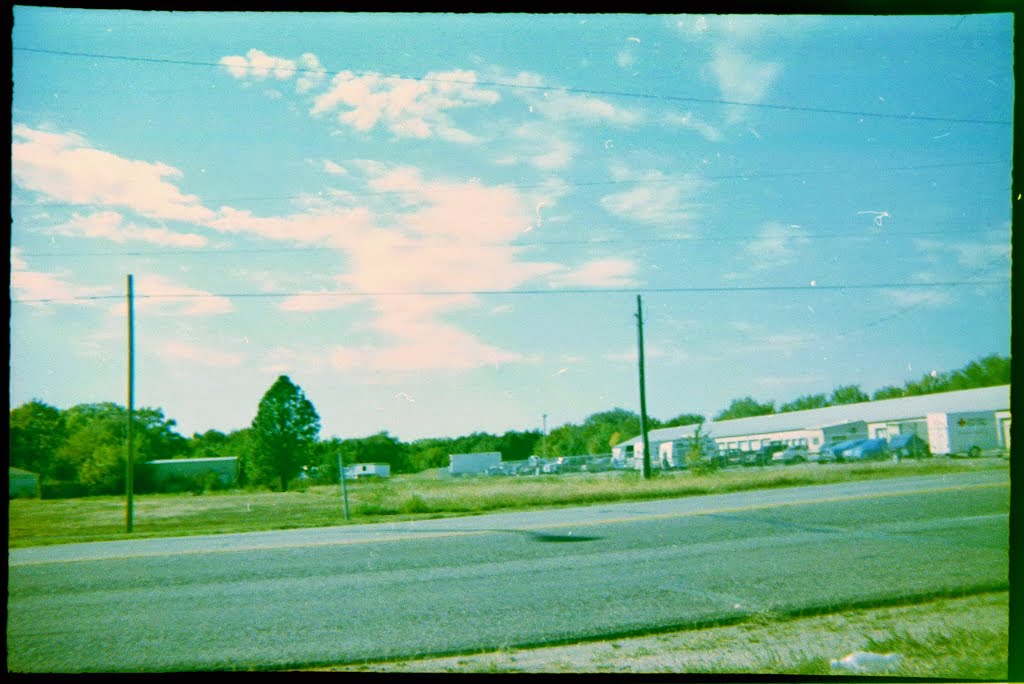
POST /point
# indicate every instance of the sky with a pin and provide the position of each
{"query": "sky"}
(439, 224)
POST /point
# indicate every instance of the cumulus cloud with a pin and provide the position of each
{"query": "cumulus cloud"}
(741, 78)
(656, 198)
(161, 296)
(259, 65)
(417, 108)
(65, 168)
(28, 284)
(110, 225)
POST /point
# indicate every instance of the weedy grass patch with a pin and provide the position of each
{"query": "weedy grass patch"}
(949, 638)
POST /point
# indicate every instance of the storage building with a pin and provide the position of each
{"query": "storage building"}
(985, 412)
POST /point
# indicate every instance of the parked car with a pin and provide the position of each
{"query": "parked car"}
(794, 454)
(834, 452)
(866, 450)
(597, 465)
(731, 457)
(763, 456)
(908, 446)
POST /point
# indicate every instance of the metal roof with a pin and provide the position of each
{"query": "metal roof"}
(204, 459)
(903, 408)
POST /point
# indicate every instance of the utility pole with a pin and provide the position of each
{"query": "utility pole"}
(544, 438)
(129, 467)
(643, 395)
(341, 476)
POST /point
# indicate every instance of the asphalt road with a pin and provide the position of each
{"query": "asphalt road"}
(354, 593)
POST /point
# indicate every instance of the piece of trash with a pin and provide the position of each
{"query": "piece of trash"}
(865, 661)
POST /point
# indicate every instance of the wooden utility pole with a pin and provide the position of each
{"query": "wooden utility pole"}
(129, 461)
(643, 394)
(341, 478)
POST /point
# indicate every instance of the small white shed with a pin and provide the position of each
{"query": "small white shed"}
(358, 470)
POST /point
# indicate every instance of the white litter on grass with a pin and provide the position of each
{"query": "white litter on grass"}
(865, 661)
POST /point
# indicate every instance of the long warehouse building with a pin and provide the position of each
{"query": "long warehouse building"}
(965, 422)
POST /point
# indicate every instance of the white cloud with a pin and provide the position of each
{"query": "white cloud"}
(611, 272)
(65, 168)
(110, 225)
(405, 107)
(973, 255)
(259, 65)
(625, 59)
(741, 78)
(27, 284)
(565, 106)
(162, 296)
(688, 121)
(312, 74)
(656, 198)
(776, 245)
(542, 145)
(333, 168)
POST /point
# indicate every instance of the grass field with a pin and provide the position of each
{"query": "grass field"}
(34, 522)
(955, 638)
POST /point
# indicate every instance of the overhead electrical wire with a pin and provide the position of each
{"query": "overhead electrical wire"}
(451, 293)
(520, 86)
(588, 242)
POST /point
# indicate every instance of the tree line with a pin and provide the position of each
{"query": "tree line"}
(81, 450)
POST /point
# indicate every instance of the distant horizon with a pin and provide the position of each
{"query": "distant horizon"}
(438, 224)
(708, 417)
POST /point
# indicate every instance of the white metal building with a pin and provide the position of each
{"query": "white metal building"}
(358, 470)
(946, 420)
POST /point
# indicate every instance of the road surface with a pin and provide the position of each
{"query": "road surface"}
(356, 593)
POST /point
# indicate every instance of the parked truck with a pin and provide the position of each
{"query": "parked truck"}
(473, 464)
(968, 433)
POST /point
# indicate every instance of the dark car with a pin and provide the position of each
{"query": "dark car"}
(866, 450)
(908, 446)
(794, 454)
(763, 456)
(834, 452)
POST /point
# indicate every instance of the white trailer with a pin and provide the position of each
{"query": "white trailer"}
(473, 464)
(968, 433)
(673, 454)
(358, 470)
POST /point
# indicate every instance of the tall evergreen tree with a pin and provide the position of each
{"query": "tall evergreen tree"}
(284, 430)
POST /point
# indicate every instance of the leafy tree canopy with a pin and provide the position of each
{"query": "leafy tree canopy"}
(746, 408)
(286, 426)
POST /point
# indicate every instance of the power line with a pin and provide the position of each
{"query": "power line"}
(519, 86)
(749, 176)
(592, 242)
(451, 293)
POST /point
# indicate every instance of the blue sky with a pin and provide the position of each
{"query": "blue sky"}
(439, 224)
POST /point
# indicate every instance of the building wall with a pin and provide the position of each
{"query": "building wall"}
(226, 469)
(23, 483)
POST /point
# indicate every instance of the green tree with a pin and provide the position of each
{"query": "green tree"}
(985, 372)
(887, 392)
(699, 458)
(37, 431)
(378, 448)
(684, 419)
(285, 428)
(746, 408)
(805, 403)
(848, 394)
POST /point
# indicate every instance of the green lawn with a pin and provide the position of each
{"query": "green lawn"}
(35, 522)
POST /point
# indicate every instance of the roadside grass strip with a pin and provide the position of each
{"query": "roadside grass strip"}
(33, 522)
(958, 636)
